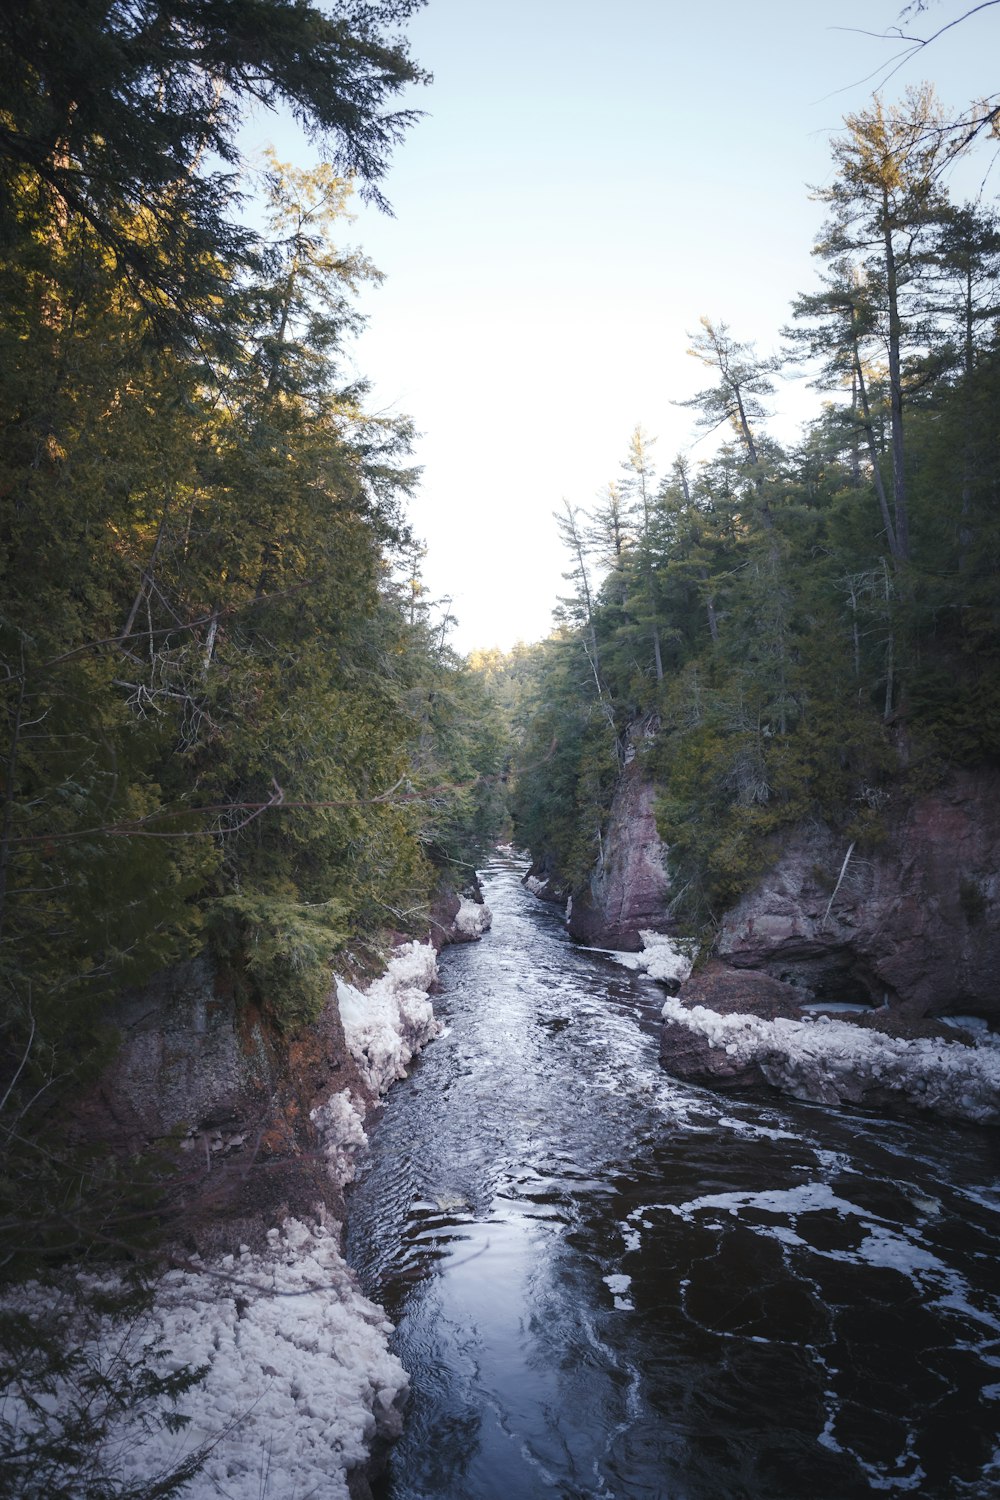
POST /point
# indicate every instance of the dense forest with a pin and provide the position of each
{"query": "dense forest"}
(231, 718)
(795, 633)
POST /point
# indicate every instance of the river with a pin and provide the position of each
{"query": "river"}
(607, 1283)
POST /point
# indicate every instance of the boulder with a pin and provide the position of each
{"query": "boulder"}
(688, 1053)
(541, 882)
(741, 992)
(458, 916)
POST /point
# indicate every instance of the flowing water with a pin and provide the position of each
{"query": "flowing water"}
(608, 1283)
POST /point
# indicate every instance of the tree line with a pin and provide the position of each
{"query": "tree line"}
(231, 717)
(811, 631)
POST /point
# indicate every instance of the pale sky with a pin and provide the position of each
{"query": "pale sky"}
(587, 182)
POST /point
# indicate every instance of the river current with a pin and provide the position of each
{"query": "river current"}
(606, 1283)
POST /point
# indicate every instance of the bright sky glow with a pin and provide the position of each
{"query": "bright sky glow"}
(587, 182)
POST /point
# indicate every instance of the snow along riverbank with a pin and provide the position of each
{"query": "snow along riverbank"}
(826, 1060)
(299, 1378)
(834, 1062)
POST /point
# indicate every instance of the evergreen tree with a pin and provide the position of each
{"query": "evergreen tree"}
(744, 383)
(841, 331)
(114, 130)
(887, 205)
(579, 606)
(640, 482)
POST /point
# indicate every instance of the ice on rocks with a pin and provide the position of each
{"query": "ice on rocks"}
(389, 1022)
(300, 1377)
(661, 958)
(341, 1130)
(384, 1026)
(472, 918)
(832, 1062)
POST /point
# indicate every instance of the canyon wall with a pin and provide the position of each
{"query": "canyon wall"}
(236, 1113)
(914, 920)
(629, 887)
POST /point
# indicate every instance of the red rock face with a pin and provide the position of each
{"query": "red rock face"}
(226, 1099)
(916, 921)
(629, 888)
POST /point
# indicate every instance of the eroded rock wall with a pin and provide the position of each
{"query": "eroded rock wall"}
(238, 1114)
(915, 921)
(252, 1135)
(629, 888)
(223, 1100)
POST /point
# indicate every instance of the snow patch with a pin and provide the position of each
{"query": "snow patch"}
(977, 1025)
(833, 1062)
(392, 1020)
(632, 961)
(662, 958)
(300, 1379)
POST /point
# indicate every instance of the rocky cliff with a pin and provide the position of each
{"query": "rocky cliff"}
(251, 1136)
(225, 1102)
(913, 921)
(629, 887)
(231, 1106)
(904, 933)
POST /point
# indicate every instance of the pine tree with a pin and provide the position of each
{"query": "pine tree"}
(887, 204)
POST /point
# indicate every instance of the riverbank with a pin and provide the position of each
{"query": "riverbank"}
(297, 1382)
(759, 1033)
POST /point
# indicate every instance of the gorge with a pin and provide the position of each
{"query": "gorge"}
(668, 1168)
